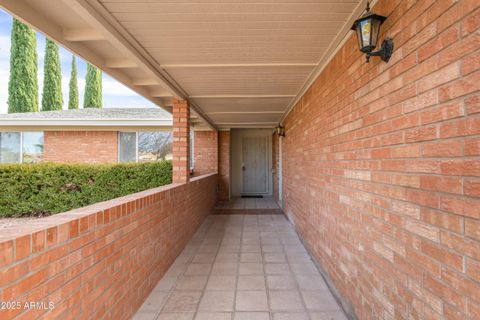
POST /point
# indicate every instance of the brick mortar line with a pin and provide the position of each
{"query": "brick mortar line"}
(440, 244)
(333, 110)
(373, 182)
(397, 213)
(313, 126)
(397, 186)
(443, 265)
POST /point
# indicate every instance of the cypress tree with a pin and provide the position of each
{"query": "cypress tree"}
(52, 98)
(93, 88)
(23, 82)
(73, 92)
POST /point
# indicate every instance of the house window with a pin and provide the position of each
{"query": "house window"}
(32, 147)
(154, 146)
(10, 145)
(145, 146)
(127, 147)
(21, 147)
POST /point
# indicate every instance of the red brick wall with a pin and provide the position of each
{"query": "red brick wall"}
(385, 187)
(181, 141)
(205, 152)
(224, 165)
(81, 146)
(275, 164)
(101, 261)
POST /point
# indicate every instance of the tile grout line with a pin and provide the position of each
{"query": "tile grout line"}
(215, 232)
(270, 312)
(237, 274)
(297, 285)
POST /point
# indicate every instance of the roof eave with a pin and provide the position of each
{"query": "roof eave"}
(91, 123)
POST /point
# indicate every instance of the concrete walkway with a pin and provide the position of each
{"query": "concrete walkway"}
(242, 267)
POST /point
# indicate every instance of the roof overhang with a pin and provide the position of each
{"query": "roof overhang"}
(239, 64)
(91, 124)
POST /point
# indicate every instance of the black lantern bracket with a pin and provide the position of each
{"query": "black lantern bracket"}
(385, 51)
(367, 29)
(280, 130)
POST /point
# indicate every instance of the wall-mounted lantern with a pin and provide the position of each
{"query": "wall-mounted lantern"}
(367, 28)
(280, 131)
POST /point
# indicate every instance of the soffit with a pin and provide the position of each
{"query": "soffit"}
(222, 50)
(228, 57)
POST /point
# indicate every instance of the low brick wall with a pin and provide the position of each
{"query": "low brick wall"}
(103, 260)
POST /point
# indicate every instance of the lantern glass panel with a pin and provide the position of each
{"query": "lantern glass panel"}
(375, 31)
(359, 35)
(366, 29)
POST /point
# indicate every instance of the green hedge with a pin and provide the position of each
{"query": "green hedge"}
(44, 189)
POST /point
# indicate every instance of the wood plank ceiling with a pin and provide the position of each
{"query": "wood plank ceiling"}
(240, 63)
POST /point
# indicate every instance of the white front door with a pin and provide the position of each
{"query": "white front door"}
(255, 165)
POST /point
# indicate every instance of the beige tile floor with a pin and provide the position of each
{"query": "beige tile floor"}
(242, 267)
(266, 202)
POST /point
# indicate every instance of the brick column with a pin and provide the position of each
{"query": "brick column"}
(181, 141)
(224, 165)
(205, 147)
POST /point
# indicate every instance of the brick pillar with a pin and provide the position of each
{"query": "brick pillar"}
(181, 141)
(205, 147)
(224, 165)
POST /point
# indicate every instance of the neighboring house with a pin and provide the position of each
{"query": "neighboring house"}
(86, 135)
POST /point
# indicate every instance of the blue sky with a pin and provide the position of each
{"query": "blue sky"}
(115, 94)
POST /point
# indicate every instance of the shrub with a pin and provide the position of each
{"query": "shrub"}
(45, 189)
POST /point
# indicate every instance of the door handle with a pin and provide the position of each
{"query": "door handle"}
(243, 168)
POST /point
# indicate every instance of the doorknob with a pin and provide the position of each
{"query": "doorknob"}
(243, 168)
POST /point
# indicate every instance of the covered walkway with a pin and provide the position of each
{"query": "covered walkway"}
(377, 164)
(242, 267)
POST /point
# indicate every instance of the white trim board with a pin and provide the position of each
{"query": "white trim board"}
(91, 123)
